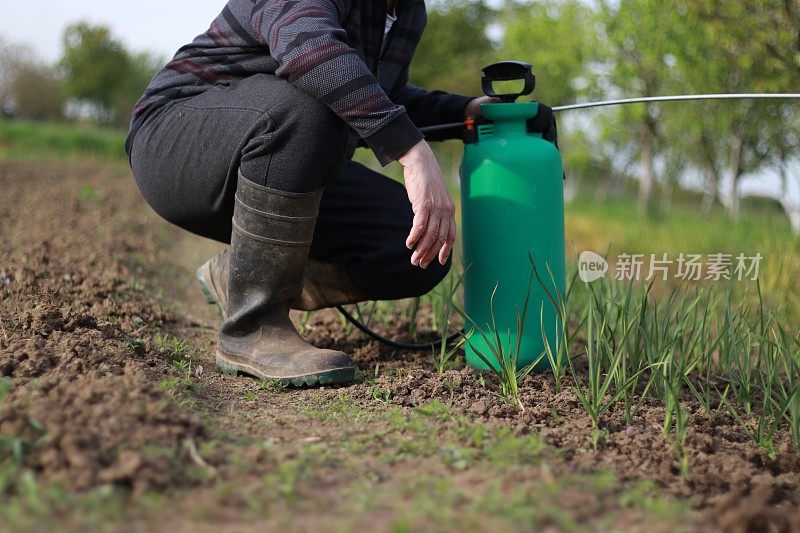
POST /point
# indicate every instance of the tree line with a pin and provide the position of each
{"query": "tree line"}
(97, 78)
(628, 48)
(580, 51)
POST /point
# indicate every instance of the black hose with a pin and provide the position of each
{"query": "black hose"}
(397, 344)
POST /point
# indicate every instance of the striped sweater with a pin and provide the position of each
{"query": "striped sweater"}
(331, 49)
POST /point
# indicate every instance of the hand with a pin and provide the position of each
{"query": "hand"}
(434, 228)
(473, 108)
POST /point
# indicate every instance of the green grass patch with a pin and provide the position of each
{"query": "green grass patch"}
(614, 226)
(21, 139)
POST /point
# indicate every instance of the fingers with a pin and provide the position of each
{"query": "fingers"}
(444, 252)
(417, 228)
(421, 255)
(437, 236)
(435, 239)
(433, 227)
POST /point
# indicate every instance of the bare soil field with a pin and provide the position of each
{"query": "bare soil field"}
(116, 418)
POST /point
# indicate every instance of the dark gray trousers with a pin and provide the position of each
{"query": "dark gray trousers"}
(186, 158)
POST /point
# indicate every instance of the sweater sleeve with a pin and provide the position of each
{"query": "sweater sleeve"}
(308, 41)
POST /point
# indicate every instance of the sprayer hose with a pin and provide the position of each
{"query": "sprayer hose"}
(431, 345)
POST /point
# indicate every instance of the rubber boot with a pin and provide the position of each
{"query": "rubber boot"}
(327, 285)
(272, 233)
(324, 285)
(213, 278)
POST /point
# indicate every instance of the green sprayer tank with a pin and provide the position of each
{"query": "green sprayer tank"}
(512, 199)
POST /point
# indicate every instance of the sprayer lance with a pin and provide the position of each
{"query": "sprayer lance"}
(646, 99)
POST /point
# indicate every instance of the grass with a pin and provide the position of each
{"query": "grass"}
(615, 225)
(32, 140)
(13, 449)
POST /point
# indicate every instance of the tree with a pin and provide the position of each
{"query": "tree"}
(640, 50)
(734, 47)
(454, 47)
(28, 88)
(97, 67)
(557, 37)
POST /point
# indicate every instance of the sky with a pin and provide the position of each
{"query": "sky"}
(160, 26)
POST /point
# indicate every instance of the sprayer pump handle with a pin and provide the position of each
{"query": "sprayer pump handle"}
(506, 71)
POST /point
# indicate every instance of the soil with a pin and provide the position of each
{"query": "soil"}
(90, 281)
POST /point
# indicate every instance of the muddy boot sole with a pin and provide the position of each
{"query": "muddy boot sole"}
(203, 275)
(336, 376)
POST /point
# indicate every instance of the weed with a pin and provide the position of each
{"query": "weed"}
(341, 408)
(435, 409)
(272, 386)
(249, 396)
(380, 394)
(597, 437)
(506, 450)
(14, 448)
(177, 348)
(305, 316)
(5, 386)
(182, 367)
(138, 285)
(134, 343)
(171, 384)
(87, 193)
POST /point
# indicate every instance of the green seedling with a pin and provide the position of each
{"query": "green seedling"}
(597, 437)
(445, 353)
(380, 394)
(249, 396)
(558, 352)
(87, 193)
(176, 347)
(272, 385)
(412, 316)
(304, 318)
(597, 397)
(502, 361)
(675, 415)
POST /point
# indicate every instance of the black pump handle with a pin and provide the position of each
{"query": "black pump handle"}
(506, 71)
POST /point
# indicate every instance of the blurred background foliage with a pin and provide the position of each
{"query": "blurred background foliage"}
(581, 50)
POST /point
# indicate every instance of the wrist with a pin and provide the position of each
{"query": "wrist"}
(416, 154)
(469, 109)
